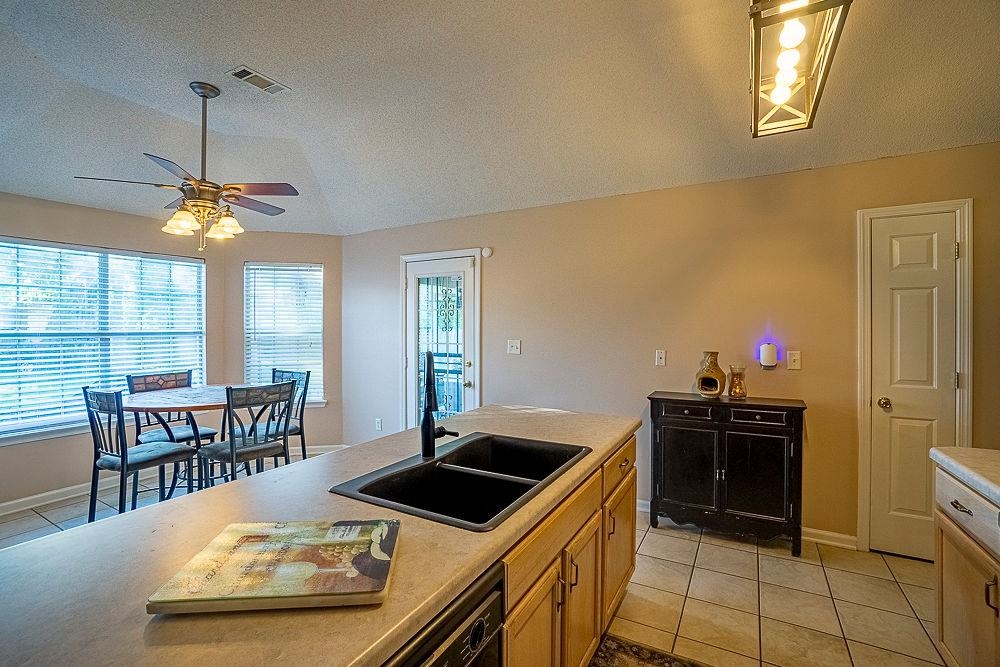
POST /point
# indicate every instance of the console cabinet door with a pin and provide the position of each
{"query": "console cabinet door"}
(619, 545)
(533, 629)
(756, 474)
(582, 611)
(967, 580)
(690, 466)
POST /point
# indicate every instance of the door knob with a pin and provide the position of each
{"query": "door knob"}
(884, 403)
(467, 384)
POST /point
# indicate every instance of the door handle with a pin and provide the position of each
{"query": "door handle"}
(467, 384)
(960, 507)
(986, 592)
(884, 403)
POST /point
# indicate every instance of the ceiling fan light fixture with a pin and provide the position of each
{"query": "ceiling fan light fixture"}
(184, 219)
(791, 50)
(175, 230)
(218, 231)
(229, 223)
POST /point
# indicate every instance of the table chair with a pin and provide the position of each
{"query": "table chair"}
(111, 450)
(257, 420)
(296, 425)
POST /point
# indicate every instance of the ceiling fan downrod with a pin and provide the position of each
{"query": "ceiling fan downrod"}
(205, 91)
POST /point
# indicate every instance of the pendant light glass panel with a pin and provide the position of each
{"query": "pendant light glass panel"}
(791, 49)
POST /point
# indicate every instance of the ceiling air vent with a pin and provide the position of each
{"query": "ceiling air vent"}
(257, 80)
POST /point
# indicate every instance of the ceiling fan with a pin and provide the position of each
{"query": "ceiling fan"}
(203, 201)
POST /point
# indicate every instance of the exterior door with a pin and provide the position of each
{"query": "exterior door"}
(913, 372)
(442, 316)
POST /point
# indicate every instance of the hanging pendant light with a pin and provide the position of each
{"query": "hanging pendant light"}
(791, 49)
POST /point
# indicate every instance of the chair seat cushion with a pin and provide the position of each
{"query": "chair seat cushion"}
(245, 451)
(148, 455)
(182, 433)
(293, 428)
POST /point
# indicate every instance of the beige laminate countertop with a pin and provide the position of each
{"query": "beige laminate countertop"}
(78, 597)
(977, 467)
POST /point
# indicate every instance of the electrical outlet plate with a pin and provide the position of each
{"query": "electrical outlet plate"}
(513, 346)
(794, 358)
(378, 423)
(661, 358)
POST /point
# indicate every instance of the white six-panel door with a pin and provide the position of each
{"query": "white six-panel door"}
(913, 366)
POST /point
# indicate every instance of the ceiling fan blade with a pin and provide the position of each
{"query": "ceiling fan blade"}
(273, 189)
(172, 167)
(118, 180)
(175, 203)
(253, 205)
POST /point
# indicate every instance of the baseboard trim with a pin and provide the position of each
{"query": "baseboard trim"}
(111, 482)
(811, 534)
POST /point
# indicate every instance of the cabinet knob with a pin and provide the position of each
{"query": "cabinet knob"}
(757, 417)
(686, 411)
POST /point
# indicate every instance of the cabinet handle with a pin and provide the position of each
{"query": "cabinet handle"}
(562, 592)
(612, 531)
(624, 464)
(576, 574)
(960, 507)
(986, 592)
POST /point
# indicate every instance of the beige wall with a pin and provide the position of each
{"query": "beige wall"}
(43, 465)
(593, 287)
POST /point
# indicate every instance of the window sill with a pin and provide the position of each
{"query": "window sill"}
(316, 404)
(46, 434)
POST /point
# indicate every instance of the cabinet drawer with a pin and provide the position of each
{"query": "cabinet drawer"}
(617, 467)
(688, 411)
(750, 416)
(528, 560)
(973, 513)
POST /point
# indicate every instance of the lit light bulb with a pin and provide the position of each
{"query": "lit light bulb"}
(184, 219)
(786, 77)
(789, 6)
(792, 34)
(229, 223)
(780, 95)
(218, 231)
(788, 58)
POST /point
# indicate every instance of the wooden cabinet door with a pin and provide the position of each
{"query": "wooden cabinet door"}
(968, 628)
(533, 629)
(756, 475)
(619, 545)
(689, 463)
(581, 621)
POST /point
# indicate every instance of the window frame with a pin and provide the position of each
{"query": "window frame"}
(82, 426)
(321, 401)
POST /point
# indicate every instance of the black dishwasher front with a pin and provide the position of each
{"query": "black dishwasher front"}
(465, 634)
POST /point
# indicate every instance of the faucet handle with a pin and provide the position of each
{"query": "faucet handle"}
(440, 432)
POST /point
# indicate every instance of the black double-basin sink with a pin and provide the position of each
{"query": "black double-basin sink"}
(474, 482)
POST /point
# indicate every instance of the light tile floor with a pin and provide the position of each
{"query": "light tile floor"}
(731, 601)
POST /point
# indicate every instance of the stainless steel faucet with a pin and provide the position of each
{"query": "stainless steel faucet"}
(428, 432)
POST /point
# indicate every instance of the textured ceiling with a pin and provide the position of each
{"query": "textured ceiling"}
(402, 112)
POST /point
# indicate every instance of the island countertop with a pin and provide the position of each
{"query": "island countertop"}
(977, 467)
(78, 597)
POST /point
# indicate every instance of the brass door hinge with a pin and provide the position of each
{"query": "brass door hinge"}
(956, 249)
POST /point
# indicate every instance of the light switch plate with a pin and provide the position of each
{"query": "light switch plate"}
(661, 358)
(513, 346)
(378, 423)
(794, 359)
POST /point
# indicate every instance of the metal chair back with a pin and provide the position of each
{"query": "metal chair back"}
(259, 415)
(107, 424)
(301, 379)
(154, 382)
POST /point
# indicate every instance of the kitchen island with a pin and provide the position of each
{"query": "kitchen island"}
(79, 597)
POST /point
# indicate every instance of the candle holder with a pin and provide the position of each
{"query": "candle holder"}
(737, 381)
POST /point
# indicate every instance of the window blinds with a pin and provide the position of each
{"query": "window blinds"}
(71, 317)
(283, 322)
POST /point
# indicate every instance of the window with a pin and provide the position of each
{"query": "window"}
(71, 317)
(283, 322)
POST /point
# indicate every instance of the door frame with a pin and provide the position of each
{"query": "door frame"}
(963, 338)
(475, 335)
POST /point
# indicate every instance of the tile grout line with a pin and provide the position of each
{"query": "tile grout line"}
(836, 610)
(687, 589)
(760, 616)
(913, 609)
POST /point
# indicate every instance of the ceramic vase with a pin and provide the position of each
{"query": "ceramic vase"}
(711, 379)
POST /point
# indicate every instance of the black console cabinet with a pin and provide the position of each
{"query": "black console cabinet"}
(732, 466)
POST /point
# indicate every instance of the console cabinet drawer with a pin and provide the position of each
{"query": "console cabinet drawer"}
(617, 467)
(748, 416)
(701, 412)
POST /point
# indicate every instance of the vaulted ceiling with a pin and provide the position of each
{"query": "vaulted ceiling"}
(400, 112)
